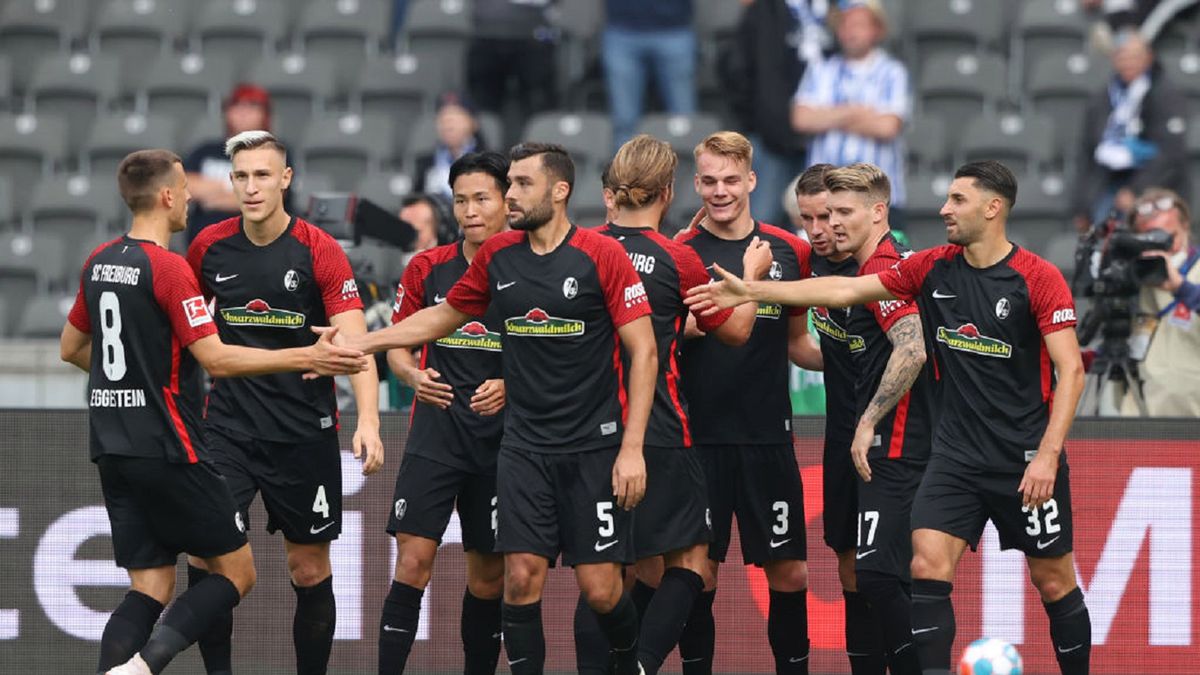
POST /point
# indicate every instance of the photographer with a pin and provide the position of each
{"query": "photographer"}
(1167, 331)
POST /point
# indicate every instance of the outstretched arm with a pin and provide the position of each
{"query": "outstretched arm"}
(322, 357)
(903, 366)
(426, 325)
(832, 291)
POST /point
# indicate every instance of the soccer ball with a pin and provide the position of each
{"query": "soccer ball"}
(989, 656)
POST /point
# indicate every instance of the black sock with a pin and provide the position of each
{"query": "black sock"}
(864, 644)
(313, 626)
(933, 624)
(641, 594)
(127, 629)
(620, 626)
(398, 626)
(524, 641)
(787, 631)
(188, 619)
(1071, 632)
(591, 644)
(699, 636)
(216, 645)
(480, 630)
(664, 619)
(891, 608)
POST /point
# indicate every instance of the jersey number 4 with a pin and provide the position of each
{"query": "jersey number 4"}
(110, 336)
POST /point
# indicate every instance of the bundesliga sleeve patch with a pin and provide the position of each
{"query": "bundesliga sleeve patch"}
(196, 311)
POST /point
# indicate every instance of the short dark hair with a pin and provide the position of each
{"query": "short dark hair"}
(140, 175)
(493, 164)
(555, 160)
(812, 181)
(991, 175)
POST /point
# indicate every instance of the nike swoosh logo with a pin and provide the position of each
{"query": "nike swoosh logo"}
(438, 299)
(500, 286)
(496, 636)
(317, 530)
(523, 658)
(220, 278)
(610, 544)
(695, 660)
(918, 631)
(1069, 650)
(797, 659)
(862, 554)
(938, 295)
(389, 629)
(777, 544)
(1043, 544)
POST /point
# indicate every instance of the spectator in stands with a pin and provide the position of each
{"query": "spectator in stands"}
(643, 39)
(1168, 328)
(511, 58)
(776, 39)
(427, 217)
(854, 104)
(1147, 16)
(1133, 136)
(457, 134)
(248, 107)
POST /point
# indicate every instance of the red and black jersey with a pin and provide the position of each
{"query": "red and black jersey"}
(456, 436)
(668, 270)
(270, 297)
(562, 356)
(739, 395)
(142, 307)
(840, 372)
(904, 433)
(986, 327)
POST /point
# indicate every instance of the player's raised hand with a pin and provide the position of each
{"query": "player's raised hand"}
(489, 397)
(716, 295)
(368, 446)
(1037, 485)
(864, 435)
(629, 477)
(331, 359)
(429, 389)
(757, 259)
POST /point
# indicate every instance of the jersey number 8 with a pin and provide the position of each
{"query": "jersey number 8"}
(110, 336)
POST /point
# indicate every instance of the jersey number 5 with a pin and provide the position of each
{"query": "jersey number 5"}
(110, 336)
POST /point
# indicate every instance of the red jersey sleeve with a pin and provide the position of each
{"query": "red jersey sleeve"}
(1050, 299)
(887, 312)
(331, 268)
(904, 279)
(178, 294)
(472, 294)
(79, 315)
(410, 294)
(624, 292)
(691, 274)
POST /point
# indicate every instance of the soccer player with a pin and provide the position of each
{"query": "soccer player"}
(270, 275)
(864, 645)
(570, 467)
(893, 407)
(161, 492)
(741, 414)
(1001, 325)
(672, 521)
(450, 459)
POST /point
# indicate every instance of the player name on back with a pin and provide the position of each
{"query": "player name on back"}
(116, 274)
(117, 398)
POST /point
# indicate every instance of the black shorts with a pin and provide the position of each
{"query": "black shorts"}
(159, 509)
(551, 503)
(959, 501)
(761, 484)
(674, 513)
(884, 540)
(840, 496)
(301, 483)
(428, 491)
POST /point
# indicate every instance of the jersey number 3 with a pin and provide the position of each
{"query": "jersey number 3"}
(110, 336)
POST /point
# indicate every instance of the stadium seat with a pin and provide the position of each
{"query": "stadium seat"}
(423, 135)
(75, 87)
(587, 199)
(1046, 27)
(1025, 143)
(1044, 196)
(185, 88)
(4, 324)
(118, 134)
(587, 136)
(30, 147)
(33, 29)
(401, 86)
(28, 263)
(346, 147)
(385, 189)
(716, 18)
(138, 33)
(1060, 250)
(7, 212)
(73, 208)
(958, 87)
(925, 142)
(440, 29)
(954, 26)
(205, 129)
(579, 48)
(304, 184)
(926, 195)
(683, 132)
(245, 30)
(1193, 145)
(299, 86)
(7, 100)
(343, 32)
(1061, 85)
(1183, 70)
(43, 316)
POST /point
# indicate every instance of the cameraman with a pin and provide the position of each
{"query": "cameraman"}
(1167, 329)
